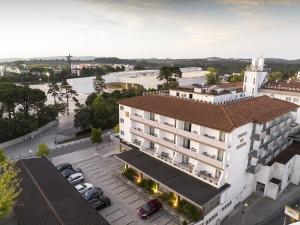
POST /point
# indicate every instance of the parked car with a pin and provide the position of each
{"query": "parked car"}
(82, 188)
(94, 192)
(68, 172)
(100, 202)
(150, 208)
(63, 166)
(76, 178)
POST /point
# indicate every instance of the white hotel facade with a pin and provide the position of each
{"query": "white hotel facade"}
(212, 146)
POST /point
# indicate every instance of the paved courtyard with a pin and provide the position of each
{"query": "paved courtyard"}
(125, 201)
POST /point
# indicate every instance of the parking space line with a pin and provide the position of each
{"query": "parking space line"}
(90, 166)
(103, 175)
(169, 222)
(131, 222)
(118, 219)
(116, 181)
(122, 191)
(139, 207)
(92, 169)
(128, 196)
(139, 198)
(107, 179)
(117, 187)
(160, 215)
(112, 212)
(97, 173)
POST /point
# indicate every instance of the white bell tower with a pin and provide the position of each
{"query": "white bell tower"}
(255, 77)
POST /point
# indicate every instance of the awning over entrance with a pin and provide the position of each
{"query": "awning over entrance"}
(183, 184)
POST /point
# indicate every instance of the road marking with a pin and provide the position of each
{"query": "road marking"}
(107, 179)
(122, 191)
(139, 198)
(116, 181)
(130, 222)
(118, 219)
(89, 166)
(139, 206)
(157, 217)
(102, 175)
(169, 222)
(128, 196)
(112, 212)
(97, 173)
(117, 187)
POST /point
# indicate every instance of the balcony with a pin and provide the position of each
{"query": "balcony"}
(169, 140)
(165, 157)
(188, 167)
(150, 151)
(205, 175)
(210, 159)
(136, 142)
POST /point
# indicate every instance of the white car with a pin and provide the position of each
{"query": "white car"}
(76, 178)
(82, 188)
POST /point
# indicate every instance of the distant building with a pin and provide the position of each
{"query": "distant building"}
(2, 71)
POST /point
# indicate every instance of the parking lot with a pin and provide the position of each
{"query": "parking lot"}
(125, 201)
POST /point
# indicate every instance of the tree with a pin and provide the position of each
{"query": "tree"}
(117, 128)
(169, 74)
(277, 75)
(212, 76)
(99, 84)
(2, 156)
(67, 92)
(9, 186)
(54, 91)
(43, 151)
(82, 117)
(96, 137)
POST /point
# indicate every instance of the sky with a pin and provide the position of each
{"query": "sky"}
(150, 28)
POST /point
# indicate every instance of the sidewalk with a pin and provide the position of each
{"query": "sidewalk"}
(262, 210)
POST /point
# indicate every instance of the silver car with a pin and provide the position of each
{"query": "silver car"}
(82, 188)
(76, 178)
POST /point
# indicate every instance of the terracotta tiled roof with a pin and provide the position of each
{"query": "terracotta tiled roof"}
(283, 85)
(221, 117)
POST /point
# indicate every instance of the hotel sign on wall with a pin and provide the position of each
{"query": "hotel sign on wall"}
(293, 213)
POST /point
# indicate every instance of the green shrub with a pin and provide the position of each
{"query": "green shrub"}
(189, 210)
(43, 151)
(167, 197)
(130, 173)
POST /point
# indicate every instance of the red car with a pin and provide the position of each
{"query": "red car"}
(149, 208)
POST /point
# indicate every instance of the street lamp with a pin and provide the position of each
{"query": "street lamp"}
(48, 75)
(108, 133)
(245, 205)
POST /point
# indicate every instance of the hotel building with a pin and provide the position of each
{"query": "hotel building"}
(211, 150)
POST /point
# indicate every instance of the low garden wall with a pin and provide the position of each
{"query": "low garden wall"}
(29, 135)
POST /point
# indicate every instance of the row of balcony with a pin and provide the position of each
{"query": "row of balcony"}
(195, 154)
(192, 134)
(186, 167)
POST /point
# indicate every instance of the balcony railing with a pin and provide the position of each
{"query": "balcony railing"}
(209, 136)
(169, 140)
(171, 125)
(185, 166)
(150, 151)
(165, 156)
(207, 176)
(136, 142)
(209, 155)
(138, 115)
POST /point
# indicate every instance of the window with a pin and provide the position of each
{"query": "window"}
(252, 90)
(254, 81)
(190, 95)
(185, 159)
(222, 136)
(177, 94)
(121, 107)
(122, 132)
(187, 126)
(288, 99)
(152, 131)
(220, 155)
(122, 120)
(151, 145)
(260, 187)
(127, 114)
(186, 143)
(152, 116)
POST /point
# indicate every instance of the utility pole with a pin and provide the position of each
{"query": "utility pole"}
(69, 57)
